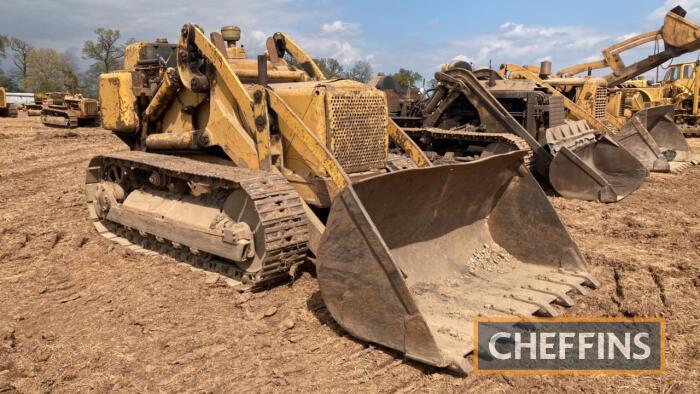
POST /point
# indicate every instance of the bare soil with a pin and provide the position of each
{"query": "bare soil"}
(79, 313)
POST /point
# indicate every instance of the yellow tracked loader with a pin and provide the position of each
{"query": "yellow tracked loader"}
(249, 167)
(651, 136)
(651, 133)
(473, 114)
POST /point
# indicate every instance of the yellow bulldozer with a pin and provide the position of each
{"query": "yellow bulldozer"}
(251, 167)
(6, 109)
(60, 109)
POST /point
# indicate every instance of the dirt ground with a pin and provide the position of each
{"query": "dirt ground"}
(79, 313)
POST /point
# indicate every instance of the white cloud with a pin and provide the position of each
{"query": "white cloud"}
(340, 27)
(464, 58)
(525, 44)
(258, 38)
(691, 6)
(338, 40)
(627, 36)
(591, 58)
(68, 23)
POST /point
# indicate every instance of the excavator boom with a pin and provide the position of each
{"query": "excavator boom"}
(679, 35)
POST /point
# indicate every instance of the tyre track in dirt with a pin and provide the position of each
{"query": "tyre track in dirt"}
(86, 314)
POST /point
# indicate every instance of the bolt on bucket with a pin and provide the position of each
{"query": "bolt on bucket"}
(637, 140)
(600, 170)
(409, 259)
(659, 122)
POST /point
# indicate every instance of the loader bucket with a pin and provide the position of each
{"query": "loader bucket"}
(659, 122)
(637, 140)
(601, 170)
(409, 259)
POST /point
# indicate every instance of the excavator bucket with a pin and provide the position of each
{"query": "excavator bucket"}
(591, 168)
(659, 122)
(409, 259)
(637, 140)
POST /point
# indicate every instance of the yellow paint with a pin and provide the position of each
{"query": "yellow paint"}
(118, 103)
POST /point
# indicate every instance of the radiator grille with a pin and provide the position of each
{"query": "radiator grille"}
(357, 124)
(557, 116)
(601, 102)
(90, 107)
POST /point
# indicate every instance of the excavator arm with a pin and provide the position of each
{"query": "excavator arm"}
(679, 35)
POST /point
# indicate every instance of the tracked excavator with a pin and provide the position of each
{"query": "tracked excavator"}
(473, 114)
(250, 167)
(651, 133)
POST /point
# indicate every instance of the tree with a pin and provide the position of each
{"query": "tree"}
(88, 81)
(330, 67)
(3, 46)
(7, 82)
(108, 54)
(20, 50)
(407, 79)
(49, 70)
(105, 50)
(361, 71)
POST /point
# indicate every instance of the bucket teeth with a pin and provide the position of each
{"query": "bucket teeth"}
(417, 283)
(562, 298)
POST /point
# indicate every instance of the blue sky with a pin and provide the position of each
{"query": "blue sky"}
(419, 35)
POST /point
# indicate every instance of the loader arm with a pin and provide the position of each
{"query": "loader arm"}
(294, 130)
(680, 36)
(305, 61)
(243, 144)
(233, 133)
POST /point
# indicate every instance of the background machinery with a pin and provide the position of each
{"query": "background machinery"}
(476, 114)
(613, 98)
(7, 109)
(252, 166)
(69, 110)
(651, 135)
(678, 88)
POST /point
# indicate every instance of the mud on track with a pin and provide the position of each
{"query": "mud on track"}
(78, 313)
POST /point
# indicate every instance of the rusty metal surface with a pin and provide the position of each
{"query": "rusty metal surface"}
(600, 171)
(357, 129)
(404, 261)
(269, 205)
(659, 122)
(566, 154)
(637, 140)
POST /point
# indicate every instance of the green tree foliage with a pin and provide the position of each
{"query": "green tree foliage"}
(3, 46)
(407, 79)
(361, 71)
(330, 67)
(49, 71)
(89, 80)
(105, 50)
(108, 54)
